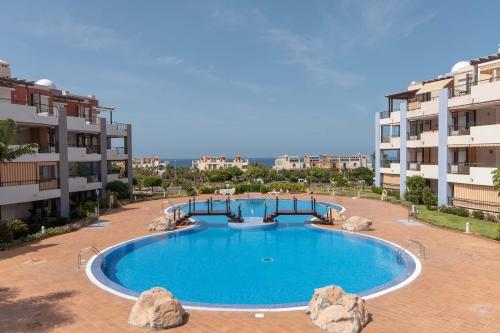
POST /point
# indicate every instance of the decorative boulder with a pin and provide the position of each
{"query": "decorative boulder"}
(356, 223)
(157, 308)
(164, 223)
(336, 311)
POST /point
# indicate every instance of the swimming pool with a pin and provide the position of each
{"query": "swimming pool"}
(213, 266)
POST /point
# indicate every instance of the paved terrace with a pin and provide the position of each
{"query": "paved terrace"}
(458, 290)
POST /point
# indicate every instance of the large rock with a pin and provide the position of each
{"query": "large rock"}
(165, 222)
(336, 311)
(356, 223)
(157, 309)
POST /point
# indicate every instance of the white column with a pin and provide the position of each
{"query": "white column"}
(377, 150)
(443, 155)
(402, 150)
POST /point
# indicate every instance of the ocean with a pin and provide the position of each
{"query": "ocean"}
(186, 162)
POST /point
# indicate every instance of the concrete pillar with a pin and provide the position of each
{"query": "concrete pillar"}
(377, 150)
(128, 140)
(62, 141)
(403, 124)
(444, 119)
(103, 141)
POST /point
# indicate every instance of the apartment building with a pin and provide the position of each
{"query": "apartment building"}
(287, 162)
(149, 162)
(446, 130)
(218, 163)
(339, 162)
(79, 151)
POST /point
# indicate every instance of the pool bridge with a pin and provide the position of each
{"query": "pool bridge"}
(237, 217)
(193, 211)
(327, 219)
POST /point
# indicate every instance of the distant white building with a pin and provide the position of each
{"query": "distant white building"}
(149, 162)
(347, 162)
(287, 162)
(218, 163)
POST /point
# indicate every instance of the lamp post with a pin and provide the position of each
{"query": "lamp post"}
(97, 194)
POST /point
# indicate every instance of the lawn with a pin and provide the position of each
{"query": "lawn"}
(481, 227)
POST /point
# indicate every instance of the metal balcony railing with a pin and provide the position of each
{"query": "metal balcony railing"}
(463, 168)
(460, 129)
(384, 114)
(387, 163)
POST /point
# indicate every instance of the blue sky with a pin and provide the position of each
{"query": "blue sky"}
(258, 78)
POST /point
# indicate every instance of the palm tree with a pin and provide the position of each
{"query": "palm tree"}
(8, 130)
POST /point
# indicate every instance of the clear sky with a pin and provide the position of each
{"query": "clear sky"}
(258, 78)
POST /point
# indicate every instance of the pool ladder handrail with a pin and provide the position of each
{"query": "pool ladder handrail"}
(409, 242)
(92, 249)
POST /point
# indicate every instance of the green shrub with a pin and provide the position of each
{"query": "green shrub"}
(118, 187)
(478, 214)
(460, 211)
(415, 187)
(491, 218)
(290, 187)
(190, 191)
(377, 189)
(78, 212)
(428, 198)
(12, 229)
(393, 193)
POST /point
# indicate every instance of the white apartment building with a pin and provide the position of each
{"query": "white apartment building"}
(78, 151)
(149, 162)
(339, 162)
(218, 163)
(287, 162)
(446, 130)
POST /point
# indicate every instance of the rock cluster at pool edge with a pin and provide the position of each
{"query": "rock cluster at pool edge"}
(336, 311)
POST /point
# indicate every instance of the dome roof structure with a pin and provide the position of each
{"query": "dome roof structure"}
(46, 83)
(459, 66)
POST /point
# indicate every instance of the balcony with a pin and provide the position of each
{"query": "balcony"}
(473, 134)
(83, 124)
(83, 154)
(391, 117)
(423, 139)
(116, 154)
(27, 114)
(392, 167)
(474, 92)
(423, 108)
(44, 153)
(116, 129)
(390, 142)
(471, 173)
(427, 170)
(84, 183)
(28, 190)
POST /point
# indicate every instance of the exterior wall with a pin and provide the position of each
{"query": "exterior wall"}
(378, 180)
(77, 124)
(25, 114)
(26, 193)
(443, 151)
(79, 154)
(403, 151)
(478, 135)
(79, 184)
(395, 168)
(427, 139)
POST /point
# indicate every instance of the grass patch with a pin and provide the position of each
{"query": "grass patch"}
(454, 222)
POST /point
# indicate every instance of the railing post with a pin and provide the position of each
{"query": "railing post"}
(277, 204)
(265, 211)
(312, 204)
(194, 205)
(208, 206)
(295, 205)
(189, 206)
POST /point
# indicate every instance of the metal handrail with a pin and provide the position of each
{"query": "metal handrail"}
(86, 250)
(405, 246)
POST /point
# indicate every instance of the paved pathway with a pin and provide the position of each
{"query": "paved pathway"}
(458, 291)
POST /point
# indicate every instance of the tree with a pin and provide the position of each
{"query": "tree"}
(118, 187)
(8, 131)
(362, 173)
(319, 176)
(415, 186)
(152, 181)
(256, 171)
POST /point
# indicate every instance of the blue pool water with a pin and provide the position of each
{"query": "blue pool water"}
(216, 266)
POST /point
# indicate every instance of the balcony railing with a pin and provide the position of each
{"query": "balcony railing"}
(119, 126)
(413, 135)
(93, 178)
(460, 129)
(88, 149)
(385, 114)
(463, 168)
(387, 163)
(45, 184)
(465, 89)
(386, 139)
(119, 150)
(415, 166)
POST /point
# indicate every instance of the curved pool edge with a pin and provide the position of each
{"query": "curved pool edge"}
(95, 264)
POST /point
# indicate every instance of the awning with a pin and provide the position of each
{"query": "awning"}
(489, 67)
(466, 145)
(436, 85)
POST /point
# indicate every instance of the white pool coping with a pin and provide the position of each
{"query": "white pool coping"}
(411, 278)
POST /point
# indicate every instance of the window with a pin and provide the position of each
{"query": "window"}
(47, 172)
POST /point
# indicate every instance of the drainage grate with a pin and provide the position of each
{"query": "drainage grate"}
(267, 259)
